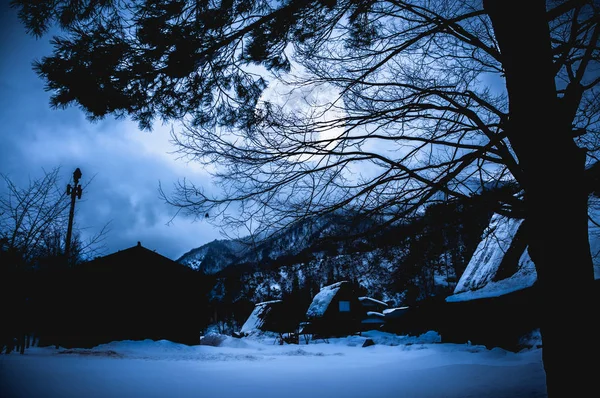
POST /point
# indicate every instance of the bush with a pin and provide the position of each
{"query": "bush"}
(212, 339)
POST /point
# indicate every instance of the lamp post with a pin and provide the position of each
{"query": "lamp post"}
(75, 192)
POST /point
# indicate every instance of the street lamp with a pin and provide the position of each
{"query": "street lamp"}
(75, 192)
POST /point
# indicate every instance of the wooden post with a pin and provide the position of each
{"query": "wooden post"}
(75, 192)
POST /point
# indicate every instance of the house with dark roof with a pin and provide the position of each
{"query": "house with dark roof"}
(132, 294)
(334, 311)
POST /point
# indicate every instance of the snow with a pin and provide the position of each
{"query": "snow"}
(373, 317)
(396, 366)
(276, 287)
(393, 311)
(322, 300)
(478, 281)
(372, 300)
(523, 278)
(594, 232)
(256, 318)
(374, 313)
(489, 253)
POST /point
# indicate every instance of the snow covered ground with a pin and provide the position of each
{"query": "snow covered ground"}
(254, 366)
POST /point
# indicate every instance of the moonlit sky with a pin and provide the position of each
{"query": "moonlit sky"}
(126, 164)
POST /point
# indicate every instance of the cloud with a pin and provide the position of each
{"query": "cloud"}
(122, 165)
(122, 168)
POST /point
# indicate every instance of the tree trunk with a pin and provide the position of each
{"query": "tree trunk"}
(22, 343)
(555, 195)
(10, 344)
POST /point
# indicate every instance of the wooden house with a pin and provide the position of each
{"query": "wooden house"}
(495, 302)
(334, 311)
(133, 294)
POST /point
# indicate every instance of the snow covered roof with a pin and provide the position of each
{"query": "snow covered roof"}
(258, 316)
(480, 277)
(481, 280)
(269, 302)
(394, 312)
(372, 300)
(373, 317)
(323, 299)
(375, 314)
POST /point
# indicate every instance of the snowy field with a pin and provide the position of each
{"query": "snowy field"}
(255, 366)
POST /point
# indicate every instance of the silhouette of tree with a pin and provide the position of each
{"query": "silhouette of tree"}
(33, 222)
(30, 215)
(400, 109)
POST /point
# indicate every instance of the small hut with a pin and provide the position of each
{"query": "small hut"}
(270, 316)
(132, 294)
(266, 316)
(334, 311)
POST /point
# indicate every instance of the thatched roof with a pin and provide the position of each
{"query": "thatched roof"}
(322, 300)
(259, 316)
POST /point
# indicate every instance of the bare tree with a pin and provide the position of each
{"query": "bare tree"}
(399, 107)
(33, 222)
(29, 215)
